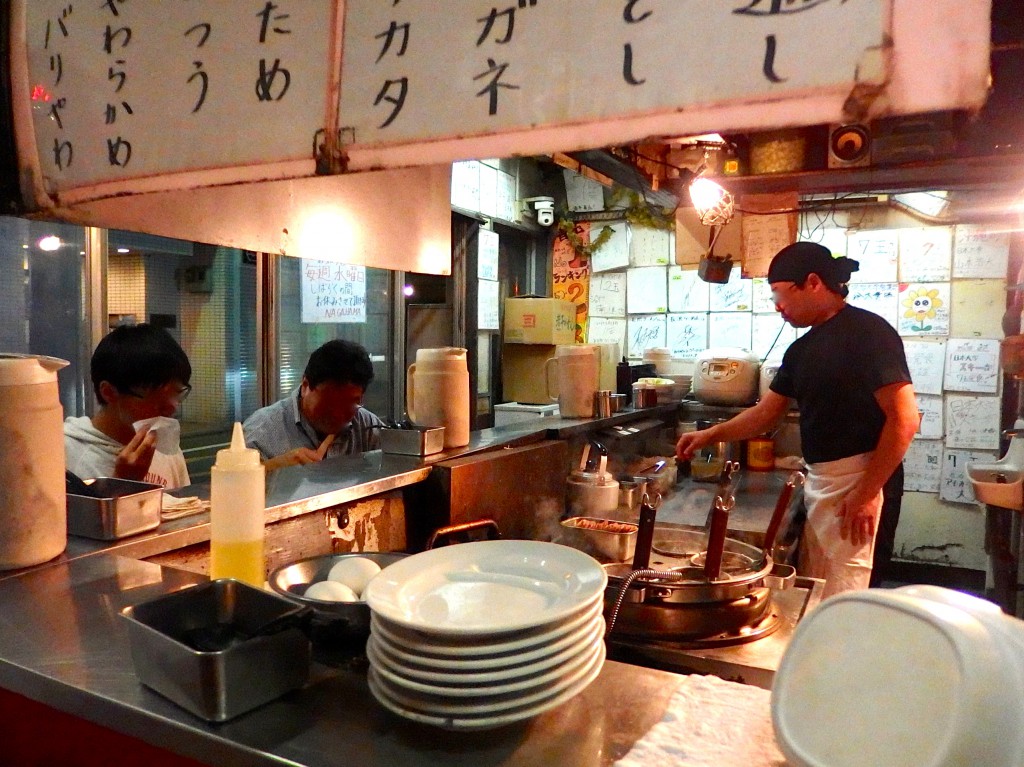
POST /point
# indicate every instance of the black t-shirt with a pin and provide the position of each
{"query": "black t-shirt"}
(833, 372)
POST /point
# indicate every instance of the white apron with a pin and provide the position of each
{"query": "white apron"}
(823, 552)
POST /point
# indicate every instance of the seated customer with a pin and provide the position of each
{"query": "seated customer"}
(138, 372)
(326, 404)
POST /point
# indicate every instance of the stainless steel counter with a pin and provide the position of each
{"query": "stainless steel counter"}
(63, 644)
(296, 490)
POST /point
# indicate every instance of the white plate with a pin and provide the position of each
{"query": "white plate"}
(445, 705)
(473, 669)
(455, 686)
(486, 721)
(486, 587)
(480, 650)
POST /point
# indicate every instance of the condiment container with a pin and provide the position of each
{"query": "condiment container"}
(219, 649)
(115, 508)
(761, 453)
(237, 503)
(425, 440)
(437, 392)
(605, 539)
(33, 516)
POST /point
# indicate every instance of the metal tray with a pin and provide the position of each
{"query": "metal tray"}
(253, 668)
(118, 508)
(417, 441)
(604, 545)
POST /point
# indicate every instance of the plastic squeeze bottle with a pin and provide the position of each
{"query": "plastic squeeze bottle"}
(237, 503)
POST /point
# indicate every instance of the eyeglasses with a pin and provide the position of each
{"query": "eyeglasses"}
(178, 396)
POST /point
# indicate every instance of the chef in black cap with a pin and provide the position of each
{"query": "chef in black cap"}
(858, 414)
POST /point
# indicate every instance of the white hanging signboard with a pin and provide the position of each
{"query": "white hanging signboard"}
(333, 292)
(125, 97)
(532, 74)
(125, 90)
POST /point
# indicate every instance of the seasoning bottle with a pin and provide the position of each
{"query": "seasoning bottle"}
(237, 502)
(761, 453)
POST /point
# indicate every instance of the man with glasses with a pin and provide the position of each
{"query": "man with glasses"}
(858, 413)
(139, 372)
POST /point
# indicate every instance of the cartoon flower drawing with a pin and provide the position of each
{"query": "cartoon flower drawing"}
(921, 305)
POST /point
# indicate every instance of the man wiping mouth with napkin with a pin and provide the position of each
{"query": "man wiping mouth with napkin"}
(139, 373)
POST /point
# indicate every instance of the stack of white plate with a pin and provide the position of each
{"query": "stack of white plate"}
(480, 635)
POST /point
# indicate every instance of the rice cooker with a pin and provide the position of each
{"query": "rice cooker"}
(768, 371)
(726, 376)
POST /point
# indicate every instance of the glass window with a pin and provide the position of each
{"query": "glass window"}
(205, 296)
(322, 300)
(41, 307)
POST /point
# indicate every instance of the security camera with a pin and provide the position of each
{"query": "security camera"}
(545, 207)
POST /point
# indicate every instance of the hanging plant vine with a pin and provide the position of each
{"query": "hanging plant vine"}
(639, 212)
(585, 249)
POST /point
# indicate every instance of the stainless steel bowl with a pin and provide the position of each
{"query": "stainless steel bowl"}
(333, 622)
(604, 545)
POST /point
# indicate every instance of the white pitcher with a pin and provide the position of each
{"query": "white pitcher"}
(576, 369)
(437, 392)
(33, 504)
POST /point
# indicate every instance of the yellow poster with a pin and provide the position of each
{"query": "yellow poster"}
(571, 275)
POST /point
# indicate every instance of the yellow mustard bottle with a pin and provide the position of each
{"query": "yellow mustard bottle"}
(237, 503)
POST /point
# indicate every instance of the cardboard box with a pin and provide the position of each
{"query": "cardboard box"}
(522, 373)
(530, 320)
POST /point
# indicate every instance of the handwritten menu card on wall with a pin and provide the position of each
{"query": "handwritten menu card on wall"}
(954, 485)
(922, 466)
(124, 90)
(972, 422)
(980, 254)
(608, 294)
(333, 292)
(926, 254)
(972, 364)
(927, 360)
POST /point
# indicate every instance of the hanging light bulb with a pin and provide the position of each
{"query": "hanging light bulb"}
(713, 203)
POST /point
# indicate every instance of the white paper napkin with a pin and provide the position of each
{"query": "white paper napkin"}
(167, 430)
(710, 723)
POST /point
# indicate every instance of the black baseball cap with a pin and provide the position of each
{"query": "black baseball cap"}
(794, 262)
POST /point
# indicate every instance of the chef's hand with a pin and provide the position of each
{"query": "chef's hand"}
(297, 457)
(134, 459)
(690, 443)
(858, 525)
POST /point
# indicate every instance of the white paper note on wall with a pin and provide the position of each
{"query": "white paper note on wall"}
(882, 298)
(614, 254)
(979, 253)
(932, 411)
(645, 331)
(487, 305)
(954, 485)
(647, 289)
(972, 364)
(608, 295)
(333, 292)
(466, 185)
(972, 422)
(927, 361)
(687, 334)
(686, 291)
(487, 255)
(771, 336)
(876, 251)
(737, 295)
(926, 254)
(922, 466)
(648, 247)
(729, 329)
(583, 194)
(606, 330)
(762, 300)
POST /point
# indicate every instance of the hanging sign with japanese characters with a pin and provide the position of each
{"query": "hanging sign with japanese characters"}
(333, 292)
(417, 70)
(122, 89)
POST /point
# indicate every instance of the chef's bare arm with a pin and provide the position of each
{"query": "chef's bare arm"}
(750, 423)
(901, 421)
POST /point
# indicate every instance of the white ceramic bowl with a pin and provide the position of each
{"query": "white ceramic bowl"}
(914, 677)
